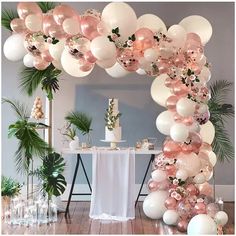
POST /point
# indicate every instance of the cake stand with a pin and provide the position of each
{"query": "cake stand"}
(113, 144)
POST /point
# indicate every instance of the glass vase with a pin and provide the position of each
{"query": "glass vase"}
(88, 140)
(52, 212)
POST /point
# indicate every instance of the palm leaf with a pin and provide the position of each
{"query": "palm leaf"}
(7, 16)
(46, 6)
(20, 109)
(80, 120)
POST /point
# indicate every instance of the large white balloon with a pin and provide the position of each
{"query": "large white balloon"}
(108, 63)
(178, 34)
(117, 71)
(189, 162)
(205, 75)
(151, 22)
(56, 50)
(179, 132)
(199, 178)
(119, 14)
(159, 91)
(28, 60)
(199, 25)
(34, 22)
(207, 132)
(164, 122)
(102, 48)
(201, 225)
(171, 217)
(212, 158)
(159, 175)
(13, 47)
(185, 107)
(71, 26)
(71, 65)
(182, 174)
(141, 71)
(154, 204)
(221, 218)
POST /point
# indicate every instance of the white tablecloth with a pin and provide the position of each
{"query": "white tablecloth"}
(113, 182)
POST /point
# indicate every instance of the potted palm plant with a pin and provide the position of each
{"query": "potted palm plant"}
(82, 122)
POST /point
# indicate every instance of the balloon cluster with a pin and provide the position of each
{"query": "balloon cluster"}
(121, 43)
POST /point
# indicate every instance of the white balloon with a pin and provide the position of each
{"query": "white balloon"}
(13, 47)
(141, 71)
(119, 14)
(117, 71)
(201, 225)
(194, 127)
(151, 22)
(205, 75)
(221, 218)
(159, 91)
(212, 158)
(56, 50)
(159, 175)
(102, 48)
(151, 54)
(34, 22)
(108, 63)
(207, 132)
(164, 122)
(171, 217)
(199, 178)
(185, 107)
(71, 26)
(71, 66)
(154, 204)
(28, 60)
(179, 132)
(203, 108)
(181, 174)
(198, 25)
(190, 162)
(178, 34)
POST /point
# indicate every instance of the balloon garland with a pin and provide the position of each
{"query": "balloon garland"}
(121, 43)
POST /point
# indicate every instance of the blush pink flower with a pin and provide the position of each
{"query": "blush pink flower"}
(175, 182)
(178, 197)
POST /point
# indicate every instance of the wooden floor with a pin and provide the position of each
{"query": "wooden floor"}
(80, 223)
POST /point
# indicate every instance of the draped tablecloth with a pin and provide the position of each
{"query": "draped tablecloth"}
(113, 184)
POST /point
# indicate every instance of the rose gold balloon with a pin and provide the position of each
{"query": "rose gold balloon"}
(192, 189)
(61, 12)
(180, 89)
(170, 203)
(26, 8)
(169, 82)
(128, 60)
(89, 57)
(182, 225)
(184, 209)
(164, 185)
(46, 56)
(171, 102)
(171, 149)
(178, 118)
(179, 60)
(18, 25)
(200, 208)
(57, 32)
(152, 185)
(88, 26)
(86, 67)
(188, 120)
(205, 189)
(206, 146)
(143, 39)
(171, 169)
(212, 209)
(40, 64)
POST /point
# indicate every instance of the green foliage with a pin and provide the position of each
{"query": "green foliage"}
(29, 142)
(220, 110)
(9, 187)
(70, 132)
(31, 78)
(7, 17)
(80, 120)
(47, 6)
(111, 119)
(53, 182)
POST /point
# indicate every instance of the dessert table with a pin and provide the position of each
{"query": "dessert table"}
(91, 152)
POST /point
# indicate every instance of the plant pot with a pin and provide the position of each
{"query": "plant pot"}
(5, 204)
(74, 144)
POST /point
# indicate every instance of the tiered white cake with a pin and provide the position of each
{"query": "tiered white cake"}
(114, 133)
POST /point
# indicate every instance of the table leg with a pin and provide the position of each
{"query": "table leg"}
(73, 183)
(145, 175)
(85, 174)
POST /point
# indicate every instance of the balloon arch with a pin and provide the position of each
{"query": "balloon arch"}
(121, 43)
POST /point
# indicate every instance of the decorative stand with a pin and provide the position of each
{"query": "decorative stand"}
(113, 144)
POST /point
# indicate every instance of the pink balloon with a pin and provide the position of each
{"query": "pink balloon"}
(171, 149)
(128, 60)
(169, 82)
(205, 189)
(200, 208)
(152, 185)
(61, 12)
(171, 169)
(89, 57)
(164, 185)
(171, 102)
(33, 45)
(88, 26)
(102, 28)
(57, 32)
(26, 8)
(18, 25)
(202, 118)
(86, 67)
(46, 56)
(192, 190)
(192, 144)
(40, 64)
(212, 209)
(182, 225)
(179, 60)
(178, 118)
(48, 22)
(184, 209)
(180, 89)
(170, 203)
(188, 120)
(206, 147)
(143, 39)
